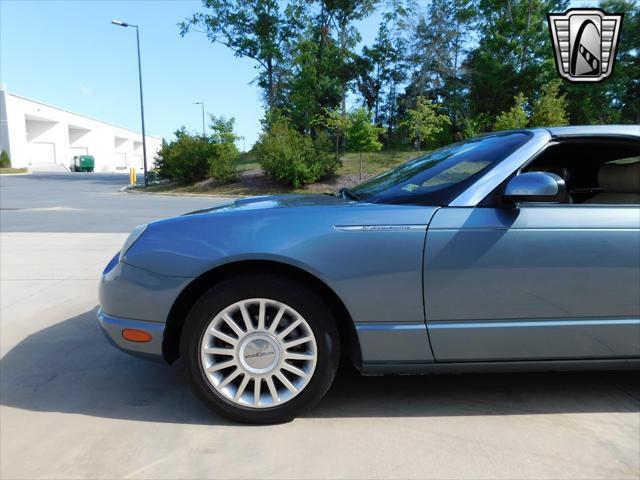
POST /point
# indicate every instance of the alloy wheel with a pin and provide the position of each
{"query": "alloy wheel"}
(258, 353)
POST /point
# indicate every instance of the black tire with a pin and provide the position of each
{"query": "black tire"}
(275, 287)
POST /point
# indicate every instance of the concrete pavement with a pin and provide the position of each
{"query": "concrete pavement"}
(84, 202)
(71, 406)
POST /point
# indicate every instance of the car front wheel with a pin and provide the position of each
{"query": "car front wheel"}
(260, 348)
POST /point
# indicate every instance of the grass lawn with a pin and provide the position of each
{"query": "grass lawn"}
(251, 180)
(246, 161)
(11, 170)
(375, 162)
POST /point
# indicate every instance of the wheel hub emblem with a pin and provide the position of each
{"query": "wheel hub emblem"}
(259, 353)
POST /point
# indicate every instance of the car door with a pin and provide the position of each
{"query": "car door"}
(533, 282)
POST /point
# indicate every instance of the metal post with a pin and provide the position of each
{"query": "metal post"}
(203, 132)
(144, 136)
(202, 105)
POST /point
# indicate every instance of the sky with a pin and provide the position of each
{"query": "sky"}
(67, 54)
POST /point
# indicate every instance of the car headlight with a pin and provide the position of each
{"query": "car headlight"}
(131, 239)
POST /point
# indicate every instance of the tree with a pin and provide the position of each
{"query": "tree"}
(550, 108)
(222, 165)
(515, 117)
(314, 84)
(362, 135)
(255, 29)
(442, 37)
(337, 123)
(222, 129)
(381, 67)
(342, 14)
(5, 162)
(513, 54)
(617, 99)
(423, 122)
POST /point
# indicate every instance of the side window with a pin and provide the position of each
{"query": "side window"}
(619, 183)
(596, 171)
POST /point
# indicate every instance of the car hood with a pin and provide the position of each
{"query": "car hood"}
(275, 201)
(299, 230)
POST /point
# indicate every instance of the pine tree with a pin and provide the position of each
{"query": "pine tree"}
(515, 117)
(551, 108)
(424, 122)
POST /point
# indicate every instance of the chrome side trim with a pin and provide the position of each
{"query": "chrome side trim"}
(536, 323)
(494, 177)
(380, 228)
(361, 327)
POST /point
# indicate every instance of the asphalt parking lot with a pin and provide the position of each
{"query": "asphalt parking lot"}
(71, 406)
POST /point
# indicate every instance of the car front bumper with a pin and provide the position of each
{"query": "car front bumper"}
(134, 298)
(112, 328)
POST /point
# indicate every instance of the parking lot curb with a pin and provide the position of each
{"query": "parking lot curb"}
(130, 190)
(15, 174)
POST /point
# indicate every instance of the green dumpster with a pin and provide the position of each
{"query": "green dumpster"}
(83, 163)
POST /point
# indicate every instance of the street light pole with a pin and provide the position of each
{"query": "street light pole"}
(202, 105)
(144, 136)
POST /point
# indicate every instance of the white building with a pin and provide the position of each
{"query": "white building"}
(39, 136)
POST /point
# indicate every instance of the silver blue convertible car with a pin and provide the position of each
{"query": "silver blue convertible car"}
(514, 250)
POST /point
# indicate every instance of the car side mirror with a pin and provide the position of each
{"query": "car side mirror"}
(535, 187)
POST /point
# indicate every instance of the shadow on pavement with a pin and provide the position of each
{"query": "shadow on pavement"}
(70, 368)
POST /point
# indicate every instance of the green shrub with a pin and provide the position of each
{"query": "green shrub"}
(514, 118)
(189, 159)
(223, 165)
(323, 145)
(5, 162)
(291, 157)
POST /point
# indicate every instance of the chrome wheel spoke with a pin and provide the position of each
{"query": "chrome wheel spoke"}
(257, 384)
(290, 328)
(298, 356)
(285, 381)
(241, 388)
(218, 351)
(297, 341)
(261, 314)
(221, 366)
(234, 353)
(230, 378)
(272, 389)
(276, 320)
(224, 337)
(295, 370)
(246, 317)
(234, 326)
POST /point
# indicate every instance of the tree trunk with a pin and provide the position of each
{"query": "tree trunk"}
(525, 39)
(343, 44)
(360, 165)
(337, 146)
(270, 92)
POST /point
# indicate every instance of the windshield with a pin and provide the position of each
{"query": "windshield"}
(440, 176)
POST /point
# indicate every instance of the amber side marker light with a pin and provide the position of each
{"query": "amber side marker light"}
(134, 335)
